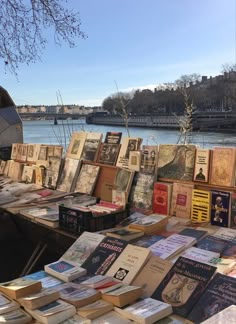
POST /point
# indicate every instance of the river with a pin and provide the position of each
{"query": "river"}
(45, 132)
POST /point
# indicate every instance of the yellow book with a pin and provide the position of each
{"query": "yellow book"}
(200, 211)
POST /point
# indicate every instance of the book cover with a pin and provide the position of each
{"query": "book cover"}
(224, 316)
(69, 173)
(147, 240)
(220, 208)
(176, 161)
(64, 270)
(197, 254)
(233, 210)
(149, 157)
(161, 198)
(134, 160)
(81, 249)
(181, 200)
(165, 249)
(230, 251)
(91, 146)
(104, 255)
(184, 284)
(192, 232)
(52, 172)
(218, 295)
(222, 166)
(227, 234)
(123, 180)
(108, 153)
(212, 243)
(129, 263)
(125, 233)
(76, 145)
(151, 275)
(113, 137)
(47, 281)
(200, 211)
(87, 178)
(202, 164)
(128, 144)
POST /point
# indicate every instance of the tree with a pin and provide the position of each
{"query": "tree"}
(228, 67)
(22, 26)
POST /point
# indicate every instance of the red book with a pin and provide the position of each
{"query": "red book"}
(161, 198)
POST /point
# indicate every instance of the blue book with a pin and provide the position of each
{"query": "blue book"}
(147, 240)
(46, 279)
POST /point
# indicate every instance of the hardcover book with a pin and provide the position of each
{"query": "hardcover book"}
(162, 197)
(128, 144)
(76, 145)
(211, 301)
(200, 211)
(81, 249)
(104, 255)
(176, 161)
(201, 167)
(184, 284)
(220, 208)
(147, 311)
(222, 166)
(91, 146)
(129, 263)
(152, 274)
(87, 178)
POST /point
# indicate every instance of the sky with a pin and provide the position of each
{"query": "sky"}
(131, 44)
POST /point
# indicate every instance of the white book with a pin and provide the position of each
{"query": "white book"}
(147, 311)
(53, 313)
(228, 234)
(111, 318)
(64, 270)
(96, 281)
(181, 239)
(197, 254)
(165, 249)
(7, 304)
(226, 316)
(17, 316)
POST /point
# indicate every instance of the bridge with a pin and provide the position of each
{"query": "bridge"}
(44, 115)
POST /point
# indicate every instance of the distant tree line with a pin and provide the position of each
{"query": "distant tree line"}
(202, 93)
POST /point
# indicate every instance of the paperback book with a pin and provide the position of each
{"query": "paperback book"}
(64, 270)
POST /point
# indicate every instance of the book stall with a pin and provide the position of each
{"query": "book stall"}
(141, 233)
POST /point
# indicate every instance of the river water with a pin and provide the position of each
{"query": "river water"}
(45, 132)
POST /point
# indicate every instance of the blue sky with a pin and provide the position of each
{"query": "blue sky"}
(133, 43)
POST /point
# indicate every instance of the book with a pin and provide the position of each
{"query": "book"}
(126, 234)
(129, 263)
(77, 319)
(76, 145)
(222, 166)
(201, 165)
(20, 287)
(108, 153)
(128, 144)
(64, 270)
(184, 284)
(187, 241)
(192, 232)
(150, 224)
(212, 243)
(230, 251)
(7, 304)
(17, 316)
(219, 295)
(151, 275)
(104, 255)
(227, 234)
(53, 313)
(87, 178)
(197, 254)
(47, 281)
(226, 315)
(27, 173)
(95, 309)
(42, 298)
(113, 137)
(165, 249)
(220, 208)
(233, 210)
(134, 160)
(176, 161)
(147, 311)
(224, 266)
(68, 175)
(91, 146)
(40, 211)
(77, 295)
(181, 200)
(123, 180)
(52, 172)
(147, 240)
(33, 152)
(111, 318)
(162, 197)
(200, 211)
(96, 281)
(49, 220)
(123, 296)
(149, 157)
(81, 249)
